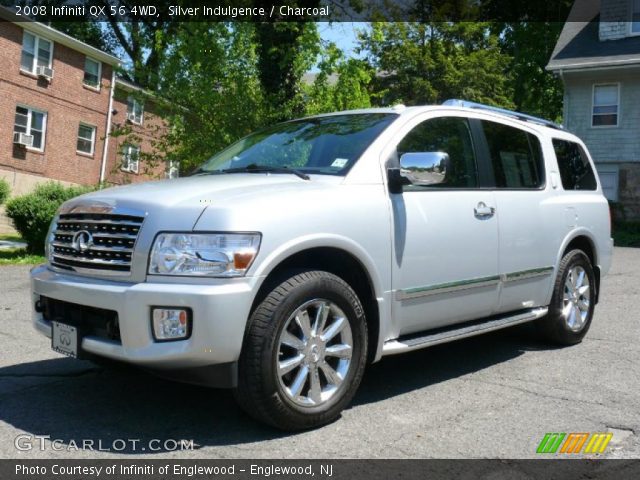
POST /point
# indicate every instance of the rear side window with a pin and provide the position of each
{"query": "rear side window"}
(575, 170)
(516, 157)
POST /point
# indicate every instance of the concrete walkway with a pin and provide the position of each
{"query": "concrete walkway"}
(9, 245)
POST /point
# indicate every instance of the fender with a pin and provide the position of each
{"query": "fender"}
(572, 235)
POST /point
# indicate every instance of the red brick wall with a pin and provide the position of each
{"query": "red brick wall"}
(145, 136)
(67, 103)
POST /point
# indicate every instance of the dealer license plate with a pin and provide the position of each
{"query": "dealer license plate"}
(64, 339)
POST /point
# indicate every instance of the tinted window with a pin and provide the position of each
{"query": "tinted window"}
(450, 135)
(575, 170)
(516, 156)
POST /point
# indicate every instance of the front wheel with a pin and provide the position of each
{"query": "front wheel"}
(304, 352)
(573, 300)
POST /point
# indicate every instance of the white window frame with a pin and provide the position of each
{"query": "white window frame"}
(29, 120)
(631, 12)
(94, 87)
(93, 138)
(135, 101)
(36, 44)
(171, 166)
(593, 104)
(126, 156)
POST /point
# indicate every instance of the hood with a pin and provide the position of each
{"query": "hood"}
(186, 198)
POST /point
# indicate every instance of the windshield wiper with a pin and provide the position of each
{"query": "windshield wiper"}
(255, 168)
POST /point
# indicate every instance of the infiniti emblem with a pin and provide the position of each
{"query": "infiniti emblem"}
(82, 241)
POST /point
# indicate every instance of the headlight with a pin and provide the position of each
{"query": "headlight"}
(211, 254)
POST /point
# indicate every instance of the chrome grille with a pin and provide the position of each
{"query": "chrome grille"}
(108, 247)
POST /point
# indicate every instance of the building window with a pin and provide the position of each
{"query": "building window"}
(36, 52)
(635, 17)
(31, 122)
(605, 105)
(134, 110)
(86, 139)
(173, 169)
(130, 158)
(92, 69)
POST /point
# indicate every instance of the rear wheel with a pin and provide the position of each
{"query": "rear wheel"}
(573, 300)
(304, 352)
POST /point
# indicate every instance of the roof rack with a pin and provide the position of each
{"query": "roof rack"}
(503, 111)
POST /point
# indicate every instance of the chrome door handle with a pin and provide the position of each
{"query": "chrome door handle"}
(482, 211)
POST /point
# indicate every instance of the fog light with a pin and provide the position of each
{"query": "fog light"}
(171, 323)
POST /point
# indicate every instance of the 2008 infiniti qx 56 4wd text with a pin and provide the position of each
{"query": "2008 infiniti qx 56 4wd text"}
(299, 254)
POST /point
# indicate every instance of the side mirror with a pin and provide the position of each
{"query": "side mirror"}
(424, 168)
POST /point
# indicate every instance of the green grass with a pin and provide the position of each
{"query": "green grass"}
(11, 238)
(17, 256)
(626, 234)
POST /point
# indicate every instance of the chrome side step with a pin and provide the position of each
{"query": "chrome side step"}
(457, 332)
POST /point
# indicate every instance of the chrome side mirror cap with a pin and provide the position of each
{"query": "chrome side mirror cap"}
(424, 168)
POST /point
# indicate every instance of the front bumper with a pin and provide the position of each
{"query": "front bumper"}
(219, 308)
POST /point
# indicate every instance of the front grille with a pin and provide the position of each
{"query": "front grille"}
(107, 246)
(91, 321)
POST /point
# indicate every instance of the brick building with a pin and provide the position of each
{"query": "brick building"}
(59, 100)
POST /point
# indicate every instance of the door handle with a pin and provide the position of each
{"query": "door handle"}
(482, 211)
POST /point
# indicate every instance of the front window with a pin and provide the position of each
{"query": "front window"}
(605, 105)
(36, 52)
(321, 145)
(635, 17)
(86, 139)
(31, 122)
(92, 73)
(130, 158)
(134, 110)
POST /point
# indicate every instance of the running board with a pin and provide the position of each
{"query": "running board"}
(457, 332)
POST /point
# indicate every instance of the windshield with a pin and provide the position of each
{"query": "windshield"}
(326, 145)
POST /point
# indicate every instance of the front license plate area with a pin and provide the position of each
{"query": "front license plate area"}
(65, 339)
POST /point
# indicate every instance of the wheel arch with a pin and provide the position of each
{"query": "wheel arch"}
(339, 259)
(582, 239)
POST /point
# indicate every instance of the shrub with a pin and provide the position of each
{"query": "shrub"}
(5, 189)
(32, 213)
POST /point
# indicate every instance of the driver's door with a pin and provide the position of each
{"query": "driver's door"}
(445, 257)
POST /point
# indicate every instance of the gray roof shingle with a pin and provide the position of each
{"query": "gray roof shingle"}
(579, 45)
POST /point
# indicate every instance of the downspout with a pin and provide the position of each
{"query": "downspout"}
(107, 130)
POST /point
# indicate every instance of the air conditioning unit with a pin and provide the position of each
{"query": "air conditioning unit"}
(22, 139)
(132, 118)
(45, 72)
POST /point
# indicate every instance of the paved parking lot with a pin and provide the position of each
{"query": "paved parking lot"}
(490, 396)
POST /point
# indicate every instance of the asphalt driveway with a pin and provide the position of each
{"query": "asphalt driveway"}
(490, 396)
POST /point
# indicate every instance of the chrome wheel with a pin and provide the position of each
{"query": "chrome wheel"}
(314, 353)
(576, 298)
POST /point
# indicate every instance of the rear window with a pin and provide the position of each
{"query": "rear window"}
(516, 157)
(575, 170)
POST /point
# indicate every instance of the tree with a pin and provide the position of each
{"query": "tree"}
(530, 45)
(426, 63)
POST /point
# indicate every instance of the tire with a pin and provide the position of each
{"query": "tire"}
(571, 309)
(279, 375)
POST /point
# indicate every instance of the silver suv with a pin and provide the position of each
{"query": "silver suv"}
(302, 252)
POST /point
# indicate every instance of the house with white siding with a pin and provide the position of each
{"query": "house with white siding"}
(599, 63)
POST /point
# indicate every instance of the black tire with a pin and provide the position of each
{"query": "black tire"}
(555, 326)
(260, 391)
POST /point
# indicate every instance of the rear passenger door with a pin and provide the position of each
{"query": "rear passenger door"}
(527, 249)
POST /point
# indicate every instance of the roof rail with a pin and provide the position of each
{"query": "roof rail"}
(503, 111)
